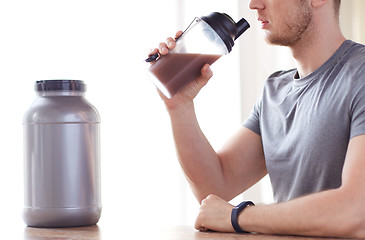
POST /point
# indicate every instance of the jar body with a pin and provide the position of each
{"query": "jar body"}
(61, 161)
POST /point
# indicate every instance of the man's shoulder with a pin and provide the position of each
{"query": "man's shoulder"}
(283, 74)
(356, 45)
(353, 61)
(356, 53)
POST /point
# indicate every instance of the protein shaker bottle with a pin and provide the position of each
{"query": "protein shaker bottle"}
(204, 41)
(61, 157)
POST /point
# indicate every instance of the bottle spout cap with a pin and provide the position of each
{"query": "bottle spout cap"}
(242, 25)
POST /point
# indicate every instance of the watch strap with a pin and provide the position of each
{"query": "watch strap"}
(236, 211)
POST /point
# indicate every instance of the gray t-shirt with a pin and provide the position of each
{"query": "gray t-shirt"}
(306, 124)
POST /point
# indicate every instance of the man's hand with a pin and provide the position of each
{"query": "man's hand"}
(186, 95)
(215, 215)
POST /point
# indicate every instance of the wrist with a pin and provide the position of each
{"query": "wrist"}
(175, 106)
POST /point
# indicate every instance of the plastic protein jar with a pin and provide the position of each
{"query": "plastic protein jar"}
(61, 157)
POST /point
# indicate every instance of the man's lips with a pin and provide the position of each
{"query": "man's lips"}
(264, 22)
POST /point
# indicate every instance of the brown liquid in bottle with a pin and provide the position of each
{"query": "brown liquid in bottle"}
(176, 70)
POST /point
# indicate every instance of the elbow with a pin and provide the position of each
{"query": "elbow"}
(352, 217)
(348, 215)
(356, 227)
(346, 226)
(349, 226)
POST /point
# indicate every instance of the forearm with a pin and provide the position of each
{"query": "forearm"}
(198, 159)
(332, 213)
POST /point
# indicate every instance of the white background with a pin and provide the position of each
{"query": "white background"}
(105, 43)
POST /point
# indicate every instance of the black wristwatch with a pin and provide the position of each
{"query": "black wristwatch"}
(236, 211)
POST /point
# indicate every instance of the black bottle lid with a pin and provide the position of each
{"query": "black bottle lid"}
(227, 29)
(60, 85)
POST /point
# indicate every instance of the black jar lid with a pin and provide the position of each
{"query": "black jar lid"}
(227, 29)
(60, 85)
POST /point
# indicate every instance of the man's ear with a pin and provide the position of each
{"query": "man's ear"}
(318, 3)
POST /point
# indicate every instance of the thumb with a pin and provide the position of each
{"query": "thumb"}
(206, 74)
(206, 71)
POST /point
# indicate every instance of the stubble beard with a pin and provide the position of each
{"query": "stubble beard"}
(294, 29)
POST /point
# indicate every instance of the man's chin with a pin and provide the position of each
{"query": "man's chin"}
(276, 41)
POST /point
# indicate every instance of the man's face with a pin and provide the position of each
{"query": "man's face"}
(284, 21)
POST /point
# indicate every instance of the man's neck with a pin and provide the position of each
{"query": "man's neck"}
(316, 47)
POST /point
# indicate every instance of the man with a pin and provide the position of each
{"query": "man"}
(307, 131)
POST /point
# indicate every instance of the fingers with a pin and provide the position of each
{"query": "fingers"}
(178, 34)
(199, 224)
(169, 44)
(202, 229)
(202, 217)
(164, 47)
(153, 51)
(214, 214)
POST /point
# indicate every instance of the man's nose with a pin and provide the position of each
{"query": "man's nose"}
(256, 4)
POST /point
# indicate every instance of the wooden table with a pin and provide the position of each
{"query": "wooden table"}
(164, 233)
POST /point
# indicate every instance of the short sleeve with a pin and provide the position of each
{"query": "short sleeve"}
(358, 106)
(253, 121)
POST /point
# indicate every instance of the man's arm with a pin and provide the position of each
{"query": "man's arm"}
(226, 173)
(333, 213)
